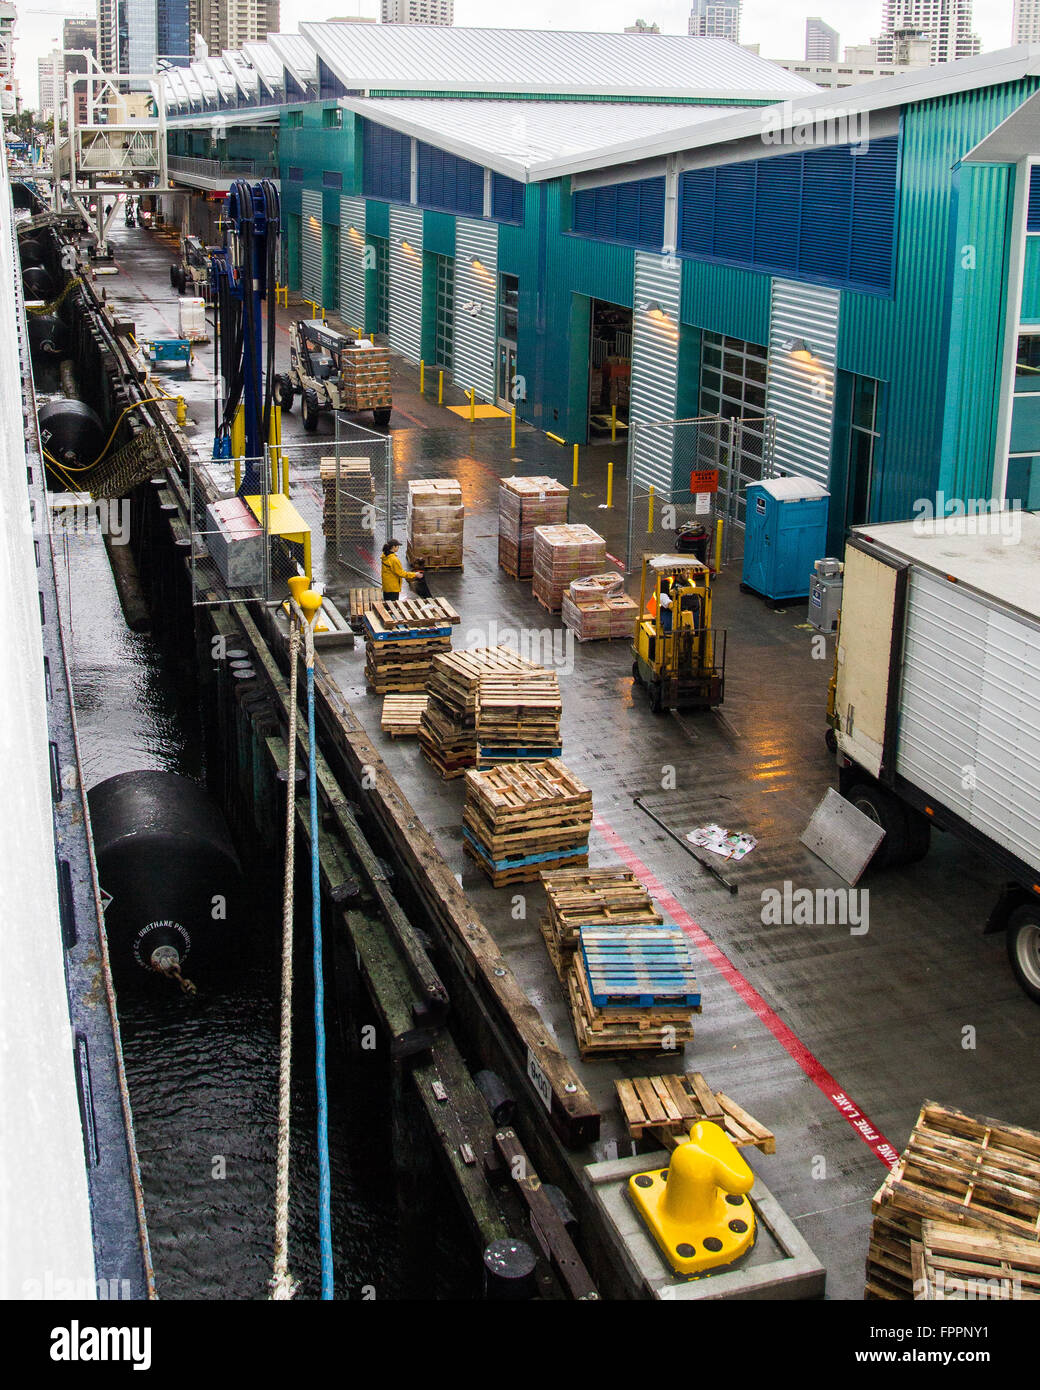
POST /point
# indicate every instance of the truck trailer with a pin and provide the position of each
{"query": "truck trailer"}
(937, 700)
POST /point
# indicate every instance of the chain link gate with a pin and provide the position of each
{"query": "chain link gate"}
(739, 451)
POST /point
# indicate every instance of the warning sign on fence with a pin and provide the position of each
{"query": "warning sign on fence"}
(704, 480)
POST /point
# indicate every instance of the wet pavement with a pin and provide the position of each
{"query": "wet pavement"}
(830, 1036)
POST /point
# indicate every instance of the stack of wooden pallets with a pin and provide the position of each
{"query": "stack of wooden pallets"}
(523, 504)
(669, 1106)
(598, 607)
(435, 523)
(951, 1263)
(448, 731)
(401, 640)
(349, 494)
(365, 376)
(401, 715)
(563, 554)
(521, 818)
(975, 1173)
(518, 717)
(359, 602)
(590, 897)
(632, 989)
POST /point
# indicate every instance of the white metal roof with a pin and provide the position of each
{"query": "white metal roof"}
(267, 64)
(433, 58)
(298, 55)
(917, 84)
(243, 72)
(517, 138)
(997, 554)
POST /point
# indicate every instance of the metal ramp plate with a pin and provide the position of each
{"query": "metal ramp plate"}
(844, 838)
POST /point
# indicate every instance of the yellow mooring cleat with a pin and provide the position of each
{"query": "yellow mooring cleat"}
(697, 1208)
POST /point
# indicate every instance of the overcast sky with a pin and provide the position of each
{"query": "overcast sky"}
(778, 25)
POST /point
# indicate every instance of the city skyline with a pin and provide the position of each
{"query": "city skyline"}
(781, 34)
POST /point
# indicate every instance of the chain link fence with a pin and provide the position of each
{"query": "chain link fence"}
(715, 458)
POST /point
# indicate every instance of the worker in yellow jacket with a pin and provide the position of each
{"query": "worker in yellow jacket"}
(394, 572)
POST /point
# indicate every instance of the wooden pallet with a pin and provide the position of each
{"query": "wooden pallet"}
(401, 715)
(639, 967)
(386, 617)
(359, 602)
(670, 1105)
(641, 1017)
(618, 1037)
(504, 872)
(972, 1172)
(594, 897)
(951, 1263)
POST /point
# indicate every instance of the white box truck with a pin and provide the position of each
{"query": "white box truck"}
(937, 700)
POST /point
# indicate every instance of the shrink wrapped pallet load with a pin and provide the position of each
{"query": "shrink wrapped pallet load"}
(365, 376)
(521, 818)
(561, 555)
(435, 523)
(598, 607)
(448, 730)
(523, 504)
(401, 641)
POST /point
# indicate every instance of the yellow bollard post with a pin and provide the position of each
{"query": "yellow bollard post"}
(238, 473)
(613, 422)
(285, 474)
(650, 512)
(512, 428)
(610, 482)
(372, 339)
(574, 479)
(298, 586)
(472, 404)
(422, 377)
(182, 412)
(310, 602)
(718, 546)
(440, 388)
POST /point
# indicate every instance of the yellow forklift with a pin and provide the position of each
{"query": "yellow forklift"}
(679, 656)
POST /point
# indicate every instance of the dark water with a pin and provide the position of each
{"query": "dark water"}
(202, 1071)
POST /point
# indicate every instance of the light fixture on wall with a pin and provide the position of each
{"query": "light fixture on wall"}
(651, 307)
(476, 263)
(404, 243)
(799, 349)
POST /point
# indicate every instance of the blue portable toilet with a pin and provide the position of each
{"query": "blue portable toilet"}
(785, 533)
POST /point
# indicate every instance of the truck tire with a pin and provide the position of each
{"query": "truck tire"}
(885, 810)
(830, 738)
(309, 411)
(1023, 948)
(635, 673)
(173, 276)
(381, 418)
(284, 395)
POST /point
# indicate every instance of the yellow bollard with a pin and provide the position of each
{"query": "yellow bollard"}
(298, 586)
(422, 377)
(310, 602)
(610, 482)
(613, 423)
(440, 388)
(182, 412)
(472, 405)
(574, 480)
(238, 473)
(718, 546)
(650, 512)
(372, 339)
(512, 428)
(285, 474)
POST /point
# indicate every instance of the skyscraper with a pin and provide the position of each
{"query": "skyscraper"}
(79, 35)
(715, 19)
(948, 24)
(1025, 22)
(50, 72)
(8, 82)
(821, 42)
(417, 12)
(133, 34)
(231, 23)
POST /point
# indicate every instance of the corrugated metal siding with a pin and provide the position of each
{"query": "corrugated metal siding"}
(967, 706)
(404, 327)
(352, 261)
(801, 394)
(1031, 281)
(476, 335)
(310, 248)
(724, 300)
(655, 365)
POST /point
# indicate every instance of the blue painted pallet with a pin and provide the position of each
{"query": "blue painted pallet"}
(646, 965)
(517, 861)
(405, 634)
(533, 752)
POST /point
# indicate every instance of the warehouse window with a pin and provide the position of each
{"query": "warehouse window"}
(507, 199)
(445, 312)
(332, 118)
(632, 213)
(447, 182)
(1033, 211)
(295, 120)
(386, 163)
(295, 173)
(382, 254)
(822, 214)
(733, 385)
(1023, 475)
(332, 178)
(864, 438)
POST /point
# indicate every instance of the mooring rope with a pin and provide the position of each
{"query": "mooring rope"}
(282, 1284)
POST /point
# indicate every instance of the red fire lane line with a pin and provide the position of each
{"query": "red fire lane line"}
(789, 1041)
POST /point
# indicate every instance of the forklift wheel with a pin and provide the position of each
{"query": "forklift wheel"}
(656, 705)
(831, 740)
(381, 418)
(173, 276)
(635, 672)
(283, 393)
(309, 411)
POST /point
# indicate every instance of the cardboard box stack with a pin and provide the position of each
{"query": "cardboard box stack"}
(435, 521)
(365, 375)
(448, 729)
(523, 504)
(598, 607)
(561, 555)
(521, 818)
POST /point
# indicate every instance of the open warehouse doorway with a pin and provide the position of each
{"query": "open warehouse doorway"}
(610, 367)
